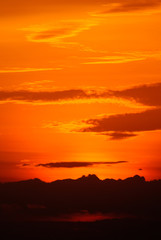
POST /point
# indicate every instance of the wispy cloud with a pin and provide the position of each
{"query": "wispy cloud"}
(75, 164)
(41, 85)
(59, 34)
(8, 8)
(114, 61)
(52, 7)
(23, 70)
(128, 6)
(25, 163)
(126, 57)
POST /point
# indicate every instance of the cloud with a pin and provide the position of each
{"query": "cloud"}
(124, 6)
(115, 61)
(137, 96)
(117, 58)
(19, 7)
(120, 135)
(121, 126)
(41, 85)
(148, 94)
(60, 33)
(75, 164)
(53, 96)
(22, 70)
(57, 97)
(26, 164)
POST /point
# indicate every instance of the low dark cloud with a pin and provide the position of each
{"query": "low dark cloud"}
(120, 135)
(148, 95)
(123, 124)
(76, 164)
(26, 164)
(43, 96)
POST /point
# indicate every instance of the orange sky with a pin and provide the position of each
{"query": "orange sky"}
(80, 83)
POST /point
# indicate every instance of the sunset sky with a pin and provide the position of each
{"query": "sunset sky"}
(80, 89)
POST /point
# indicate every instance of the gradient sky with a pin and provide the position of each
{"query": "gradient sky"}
(80, 89)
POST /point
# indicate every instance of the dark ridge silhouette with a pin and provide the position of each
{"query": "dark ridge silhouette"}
(31, 209)
(133, 196)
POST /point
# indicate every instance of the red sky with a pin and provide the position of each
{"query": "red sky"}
(80, 83)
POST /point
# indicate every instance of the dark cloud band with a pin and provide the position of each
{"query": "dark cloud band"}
(125, 125)
(148, 95)
(75, 164)
(31, 96)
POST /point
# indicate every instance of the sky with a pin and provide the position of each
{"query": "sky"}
(80, 89)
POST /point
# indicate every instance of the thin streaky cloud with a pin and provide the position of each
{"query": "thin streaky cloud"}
(126, 57)
(59, 34)
(129, 6)
(117, 61)
(19, 7)
(23, 70)
(38, 85)
(76, 164)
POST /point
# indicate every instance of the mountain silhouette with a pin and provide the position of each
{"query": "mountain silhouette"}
(27, 208)
(133, 196)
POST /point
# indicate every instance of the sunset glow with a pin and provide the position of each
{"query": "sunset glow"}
(80, 89)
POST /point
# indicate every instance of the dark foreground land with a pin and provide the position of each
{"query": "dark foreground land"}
(106, 229)
(31, 209)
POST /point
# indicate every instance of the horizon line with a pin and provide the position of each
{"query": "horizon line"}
(83, 176)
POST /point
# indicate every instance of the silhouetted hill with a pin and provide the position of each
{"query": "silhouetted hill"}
(34, 198)
(90, 178)
(28, 181)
